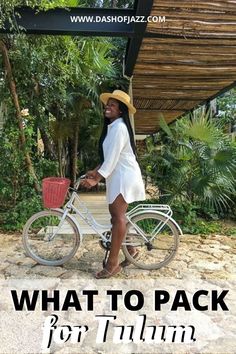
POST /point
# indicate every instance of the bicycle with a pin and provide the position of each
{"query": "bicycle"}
(52, 237)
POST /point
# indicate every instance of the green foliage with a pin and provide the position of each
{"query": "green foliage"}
(193, 161)
(230, 231)
(18, 200)
(188, 216)
(108, 3)
(46, 168)
(202, 227)
(11, 162)
(15, 218)
(59, 80)
(227, 107)
(191, 218)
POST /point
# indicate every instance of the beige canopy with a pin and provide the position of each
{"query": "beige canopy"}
(185, 61)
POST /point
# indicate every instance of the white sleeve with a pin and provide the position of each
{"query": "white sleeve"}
(117, 138)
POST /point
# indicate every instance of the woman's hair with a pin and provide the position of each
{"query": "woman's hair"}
(125, 115)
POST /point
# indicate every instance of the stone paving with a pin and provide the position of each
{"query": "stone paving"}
(211, 257)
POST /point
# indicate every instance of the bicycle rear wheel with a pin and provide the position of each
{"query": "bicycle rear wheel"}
(49, 240)
(151, 241)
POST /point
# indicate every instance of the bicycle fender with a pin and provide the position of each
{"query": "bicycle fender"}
(74, 220)
(163, 214)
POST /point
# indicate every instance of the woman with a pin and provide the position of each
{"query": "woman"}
(120, 169)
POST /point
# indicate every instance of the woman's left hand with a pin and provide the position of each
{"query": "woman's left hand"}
(89, 182)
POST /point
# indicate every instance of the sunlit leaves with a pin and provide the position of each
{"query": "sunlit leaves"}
(196, 162)
(202, 128)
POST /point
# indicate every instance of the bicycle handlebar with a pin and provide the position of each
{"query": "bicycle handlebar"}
(77, 183)
(82, 177)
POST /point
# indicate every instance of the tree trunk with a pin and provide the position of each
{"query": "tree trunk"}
(49, 151)
(113, 3)
(60, 157)
(74, 154)
(13, 91)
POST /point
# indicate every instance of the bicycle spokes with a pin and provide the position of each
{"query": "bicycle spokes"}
(51, 237)
(155, 238)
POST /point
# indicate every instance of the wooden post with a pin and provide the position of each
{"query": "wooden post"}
(131, 116)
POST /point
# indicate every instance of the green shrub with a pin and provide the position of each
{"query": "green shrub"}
(15, 218)
(194, 162)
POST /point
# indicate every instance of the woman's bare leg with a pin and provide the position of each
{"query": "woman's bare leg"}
(117, 210)
(118, 219)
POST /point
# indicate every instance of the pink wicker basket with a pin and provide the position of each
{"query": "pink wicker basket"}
(54, 191)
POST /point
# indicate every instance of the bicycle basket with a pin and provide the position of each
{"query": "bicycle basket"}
(54, 191)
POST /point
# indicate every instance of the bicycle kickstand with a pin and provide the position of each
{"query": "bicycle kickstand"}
(104, 262)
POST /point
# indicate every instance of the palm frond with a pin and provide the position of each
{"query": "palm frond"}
(164, 126)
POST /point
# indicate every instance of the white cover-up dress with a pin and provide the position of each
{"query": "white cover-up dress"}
(120, 167)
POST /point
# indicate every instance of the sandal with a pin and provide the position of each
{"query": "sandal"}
(126, 262)
(105, 274)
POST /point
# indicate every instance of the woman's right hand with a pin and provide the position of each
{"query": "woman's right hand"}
(91, 174)
(89, 182)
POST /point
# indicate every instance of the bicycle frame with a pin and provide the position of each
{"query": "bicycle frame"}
(75, 206)
(82, 210)
(161, 209)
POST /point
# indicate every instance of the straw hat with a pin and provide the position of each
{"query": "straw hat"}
(120, 96)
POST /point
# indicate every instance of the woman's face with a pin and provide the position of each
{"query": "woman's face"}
(112, 110)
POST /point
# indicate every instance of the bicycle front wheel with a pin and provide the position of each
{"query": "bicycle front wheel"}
(151, 241)
(49, 239)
